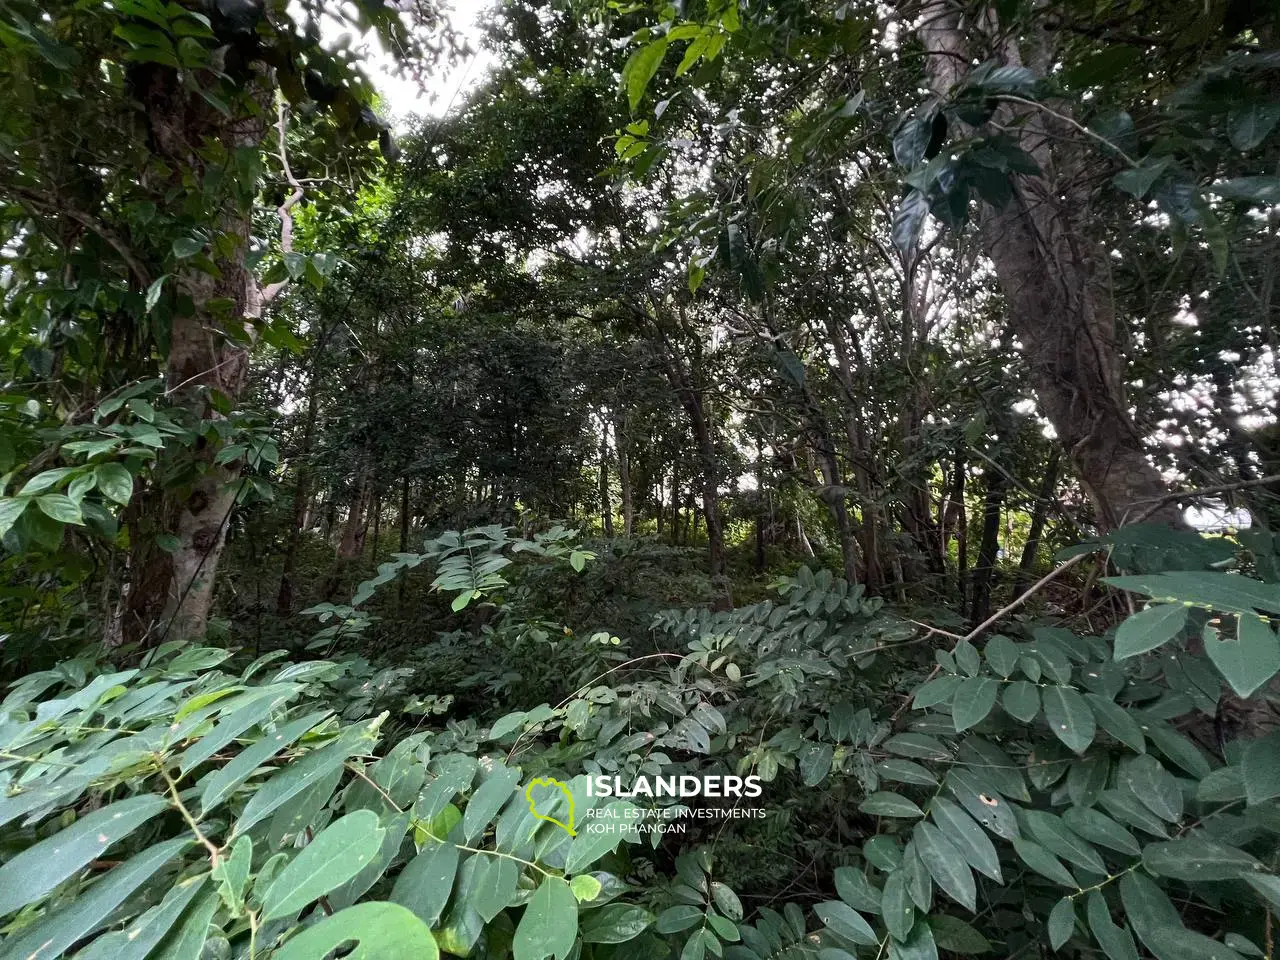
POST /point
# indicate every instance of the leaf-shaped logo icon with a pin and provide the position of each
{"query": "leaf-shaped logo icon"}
(533, 804)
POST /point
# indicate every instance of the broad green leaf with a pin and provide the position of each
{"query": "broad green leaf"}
(1054, 835)
(55, 932)
(549, 925)
(919, 945)
(969, 838)
(908, 221)
(219, 786)
(1196, 858)
(423, 886)
(953, 935)
(1260, 768)
(896, 908)
(1043, 862)
(37, 870)
(1249, 124)
(615, 923)
(395, 827)
(60, 507)
(335, 855)
(886, 804)
(946, 864)
(494, 885)
(1154, 786)
(1022, 700)
(383, 931)
(1149, 628)
(1177, 747)
(815, 763)
(585, 887)
(640, 68)
(846, 922)
(905, 771)
(232, 873)
(11, 509)
(1101, 829)
(186, 940)
(973, 700)
(983, 802)
(1062, 923)
(677, 918)
(856, 890)
(727, 901)
(1114, 719)
(1069, 717)
(1002, 655)
(494, 793)
(144, 932)
(115, 482)
(1116, 942)
(303, 773)
(229, 728)
(1249, 660)
(1264, 190)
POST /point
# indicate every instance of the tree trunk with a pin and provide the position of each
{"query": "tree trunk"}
(175, 585)
(1039, 516)
(301, 502)
(606, 508)
(351, 546)
(989, 548)
(1057, 288)
(621, 442)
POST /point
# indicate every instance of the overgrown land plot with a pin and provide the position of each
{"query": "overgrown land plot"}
(724, 480)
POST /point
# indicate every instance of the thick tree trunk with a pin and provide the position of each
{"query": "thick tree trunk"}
(1057, 289)
(351, 546)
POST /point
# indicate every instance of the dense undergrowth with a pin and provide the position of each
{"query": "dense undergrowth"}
(1024, 793)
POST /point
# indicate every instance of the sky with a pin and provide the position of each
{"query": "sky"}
(404, 98)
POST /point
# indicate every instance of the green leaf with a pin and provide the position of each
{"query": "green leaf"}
(494, 885)
(1250, 660)
(223, 783)
(973, 700)
(10, 510)
(856, 890)
(301, 774)
(549, 925)
(1043, 862)
(886, 804)
(144, 932)
(335, 855)
(953, 935)
(383, 931)
(896, 907)
(846, 922)
(677, 918)
(584, 886)
(424, 884)
(229, 728)
(492, 795)
(1116, 942)
(51, 935)
(1137, 181)
(60, 507)
(37, 870)
(728, 901)
(1260, 768)
(1154, 786)
(1022, 700)
(232, 873)
(1114, 719)
(1196, 858)
(908, 221)
(1069, 717)
(615, 923)
(1249, 124)
(969, 838)
(1264, 190)
(946, 864)
(186, 941)
(115, 482)
(1062, 923)
(919, 945)
(45, 480)
(1002, 654)
(1060, 840)
(1101, 829)
(905, 771)
(1149, 628)
(640, 69)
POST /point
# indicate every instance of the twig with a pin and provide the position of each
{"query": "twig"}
(272, 290)
(214, 852)
(1068, 120)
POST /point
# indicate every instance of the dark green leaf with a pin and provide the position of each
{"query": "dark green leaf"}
(973, 700)
(846, 922)
(1149, 628)
(1116, 942)
(946, 864)
(334, 856)
(1062, 923)
(1069, 717)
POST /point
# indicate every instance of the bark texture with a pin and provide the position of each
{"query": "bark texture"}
(1054, 277)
